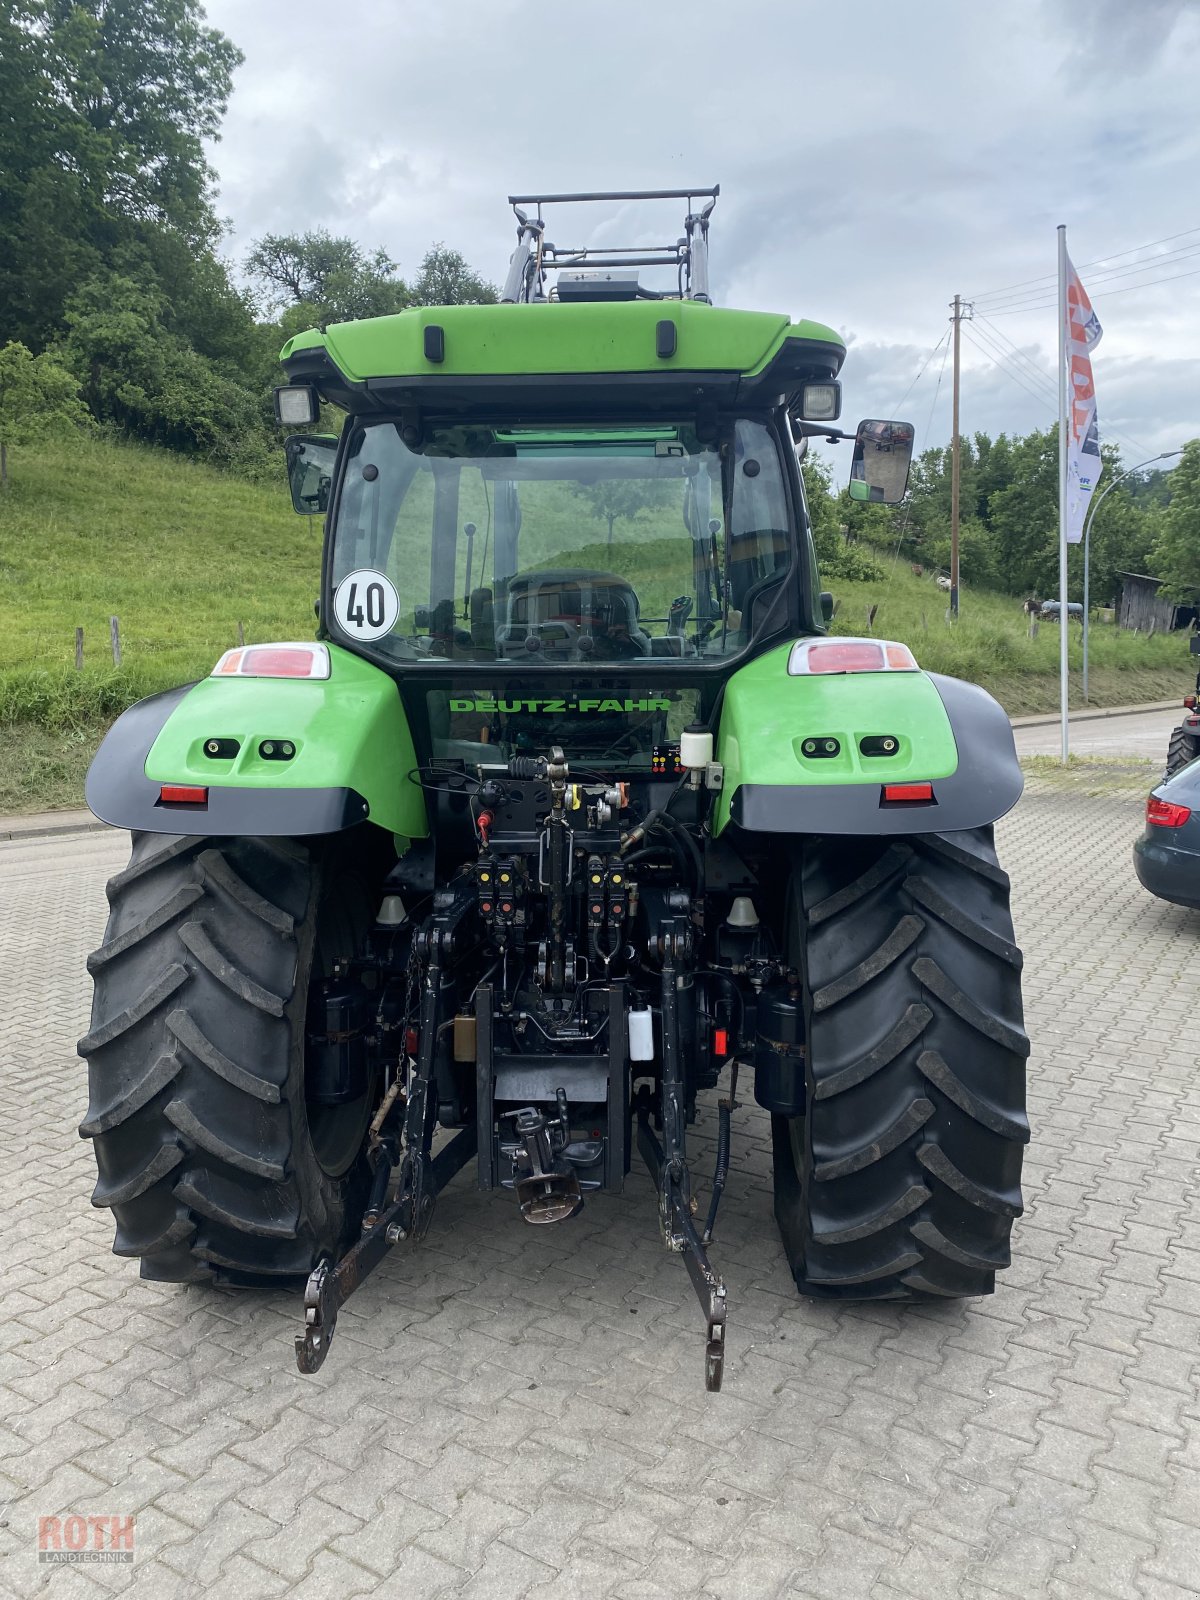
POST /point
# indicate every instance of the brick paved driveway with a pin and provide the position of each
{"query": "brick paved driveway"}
(517, 1412)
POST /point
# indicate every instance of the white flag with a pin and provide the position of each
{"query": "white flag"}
(1083, 333)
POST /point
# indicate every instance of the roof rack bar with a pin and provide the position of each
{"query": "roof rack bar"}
(616, 194)
(583, 259)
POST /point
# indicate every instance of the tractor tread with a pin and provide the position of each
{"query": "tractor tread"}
(846, 1277)
(196, 1062)
(153, 996)
(932, 898)
(217, 870)
(889, 865)
(175, 905)
(902, 1179)
(266, 1213)
(972, 1013)
(158, 1076)
(902, 937)
(1182, 750)
(910, 1026)
(911, 1200)
(118, 1192)
(196, 938)
(177, 1231)
(915, 1116)
(939, 1165)
(148, 861)
(933, 1237)
(202, 1137)
(187, 1031)
(939, 1074)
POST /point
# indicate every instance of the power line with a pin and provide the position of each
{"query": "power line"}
(1007, 347)
(1105, 294)
(1116, 255)
(1045, 297)
(936, 391)
(1010, 372)
(1170, 258)
(920, 374)
(1047, 392)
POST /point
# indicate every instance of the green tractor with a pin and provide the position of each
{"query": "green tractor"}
(572, 809)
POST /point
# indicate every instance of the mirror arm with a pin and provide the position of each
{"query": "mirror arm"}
(820, 430)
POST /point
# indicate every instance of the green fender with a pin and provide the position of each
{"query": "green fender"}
(353, 756)
(948, 734)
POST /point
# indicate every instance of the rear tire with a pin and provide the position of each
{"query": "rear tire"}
(903, 1179)
(1181, 751)
(196, 1058)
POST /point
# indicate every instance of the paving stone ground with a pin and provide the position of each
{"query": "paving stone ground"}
(514, 1412)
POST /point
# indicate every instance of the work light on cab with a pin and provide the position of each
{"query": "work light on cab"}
(274, 661)
(814, 656)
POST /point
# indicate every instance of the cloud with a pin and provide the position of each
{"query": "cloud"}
(873, 161)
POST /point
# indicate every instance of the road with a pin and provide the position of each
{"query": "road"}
(513, 1412)
(1138, 733)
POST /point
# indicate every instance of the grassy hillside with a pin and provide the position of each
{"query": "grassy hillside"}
(179, 552)
(990, 645)
(182, 554)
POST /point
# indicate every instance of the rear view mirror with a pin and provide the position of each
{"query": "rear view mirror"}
(882, 457)
(310, 458)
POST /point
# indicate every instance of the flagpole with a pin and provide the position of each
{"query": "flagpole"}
(1062, 483)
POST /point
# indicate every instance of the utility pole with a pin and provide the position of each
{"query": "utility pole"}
(954, 467)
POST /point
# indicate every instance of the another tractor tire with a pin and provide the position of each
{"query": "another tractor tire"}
(207, 1154)
(1181, 752)
(903, 1178)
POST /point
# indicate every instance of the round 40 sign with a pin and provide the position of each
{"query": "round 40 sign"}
(366, 604)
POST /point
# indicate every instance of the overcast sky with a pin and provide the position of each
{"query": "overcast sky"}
(873, 160)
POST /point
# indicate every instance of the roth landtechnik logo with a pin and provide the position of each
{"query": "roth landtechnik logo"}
(74, 1540)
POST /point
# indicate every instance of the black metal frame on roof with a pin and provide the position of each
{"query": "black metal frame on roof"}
(535, 255)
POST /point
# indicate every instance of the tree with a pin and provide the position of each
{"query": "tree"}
(445, 279)
(138, 373)
(614, 498)
(107, 104)
(333, 278)
(38, 394)
(1175, 557)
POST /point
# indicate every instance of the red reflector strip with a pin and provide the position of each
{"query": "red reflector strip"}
(720, 1041)
(182, 794)
(1166, 813)
(908, 791)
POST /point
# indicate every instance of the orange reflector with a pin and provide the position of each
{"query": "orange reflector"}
(229, 662)
(183, 794)
(720, 1041)
(1166, 813)
(908, 792)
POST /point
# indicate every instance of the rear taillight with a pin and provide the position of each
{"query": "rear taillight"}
(274, 661)
(1166, 813)
(814, 656)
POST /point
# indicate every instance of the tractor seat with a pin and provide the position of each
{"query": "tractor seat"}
(572, 613)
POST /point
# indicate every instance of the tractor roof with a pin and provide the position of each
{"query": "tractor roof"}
(467, 359)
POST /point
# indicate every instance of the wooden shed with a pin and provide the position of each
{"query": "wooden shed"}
(1141, 607)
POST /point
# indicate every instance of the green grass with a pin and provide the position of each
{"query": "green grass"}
(182, 554)
(990, 645)
(179, 552)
